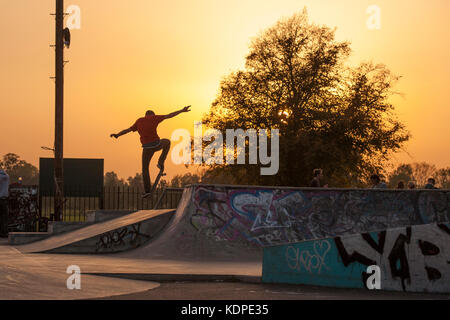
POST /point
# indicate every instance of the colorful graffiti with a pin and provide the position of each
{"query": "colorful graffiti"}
(412, 259)
(266, 217)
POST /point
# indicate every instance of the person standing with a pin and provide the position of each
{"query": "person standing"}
(4, 194)
(431, 184)
(376, 182)
(316, 182)
(411, 185)
(401, 185)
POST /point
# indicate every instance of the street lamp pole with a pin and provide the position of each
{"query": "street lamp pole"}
(59, 110)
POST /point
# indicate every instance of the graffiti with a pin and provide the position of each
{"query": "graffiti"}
(267, 217)
(310, 260)
(405, 255)
(23, 210)
(412, 259)
(129, 236)
(397, 257)
(398, 261)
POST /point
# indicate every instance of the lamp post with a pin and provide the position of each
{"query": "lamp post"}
(59, 110)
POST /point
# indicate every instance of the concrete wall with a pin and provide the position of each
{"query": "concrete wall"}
(413, 259)
(58, 227)
(273, 216)
(20, 238)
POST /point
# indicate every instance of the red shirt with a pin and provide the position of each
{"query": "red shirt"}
(147, 128)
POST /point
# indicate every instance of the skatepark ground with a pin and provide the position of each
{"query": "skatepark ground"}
(43, 277)
(200, 253)
(252, 291)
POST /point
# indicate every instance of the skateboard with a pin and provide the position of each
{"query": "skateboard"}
(160, 174)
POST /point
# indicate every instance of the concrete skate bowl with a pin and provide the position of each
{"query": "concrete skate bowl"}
(219, 222)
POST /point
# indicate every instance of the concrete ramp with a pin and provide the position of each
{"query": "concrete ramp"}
(410, 259)
(235, 223)
(193, 236)
(116, 235)
(219, 222)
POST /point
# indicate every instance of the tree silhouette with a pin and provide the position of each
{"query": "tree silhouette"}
(17, 168)
(329, 115)
(112, 180)
(136, 181)
(422, 172)
(443, 178)
(403, 172)
(180, 181)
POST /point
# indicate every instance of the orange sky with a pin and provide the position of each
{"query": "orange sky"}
(129, 55)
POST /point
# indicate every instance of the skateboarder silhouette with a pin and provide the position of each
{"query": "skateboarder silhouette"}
(146, 127)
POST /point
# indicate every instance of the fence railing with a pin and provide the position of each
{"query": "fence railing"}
(112, 198)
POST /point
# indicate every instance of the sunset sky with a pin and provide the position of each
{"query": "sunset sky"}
(130, 56)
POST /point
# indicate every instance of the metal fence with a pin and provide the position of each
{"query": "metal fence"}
(112, 198)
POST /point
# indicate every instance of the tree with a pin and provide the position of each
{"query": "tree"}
(163, 184)
(220, 175)
(180, 181)
(17, 168)
(404, 172)
(422, 172)
(330, 116)
(443, 178)
(136, 182)
(112, 180)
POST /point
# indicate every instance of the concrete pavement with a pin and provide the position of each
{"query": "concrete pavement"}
(251, 291)
(216, 232)
(43, 276)
(24, 278)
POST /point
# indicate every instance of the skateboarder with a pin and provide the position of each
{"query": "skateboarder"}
(151, 142)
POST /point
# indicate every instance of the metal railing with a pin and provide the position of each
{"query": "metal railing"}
(112, 198)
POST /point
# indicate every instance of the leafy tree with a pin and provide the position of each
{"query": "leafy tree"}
(443, 178)
(329, 115)
(422, 172)
(136, 181)
(163, 183)
(112, 180)
(221, 175)
(180, 181)
(404, 172)
(17, 168)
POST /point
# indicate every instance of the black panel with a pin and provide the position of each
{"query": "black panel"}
(82, 177)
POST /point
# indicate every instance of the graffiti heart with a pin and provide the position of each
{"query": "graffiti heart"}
(310, 260)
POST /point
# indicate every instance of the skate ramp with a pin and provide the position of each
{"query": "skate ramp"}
(192, 236)
(116, 235)
(218, 222)
(234, 223)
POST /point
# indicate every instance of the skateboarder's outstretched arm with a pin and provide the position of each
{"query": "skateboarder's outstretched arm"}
(121, 133)
(174, 114)
(134, 127)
